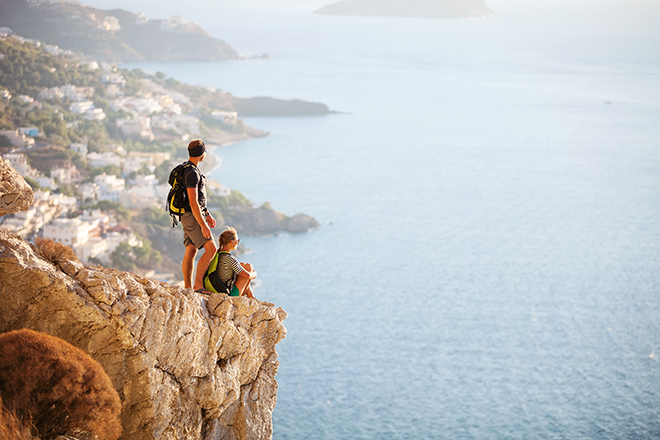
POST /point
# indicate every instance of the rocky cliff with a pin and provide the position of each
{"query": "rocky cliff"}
(186, 366)
(15, 194)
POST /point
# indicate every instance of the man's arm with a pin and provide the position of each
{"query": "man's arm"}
(197, 212)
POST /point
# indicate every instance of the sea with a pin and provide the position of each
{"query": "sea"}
(488, 260)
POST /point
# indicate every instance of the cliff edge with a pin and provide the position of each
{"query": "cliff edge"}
(185, 366)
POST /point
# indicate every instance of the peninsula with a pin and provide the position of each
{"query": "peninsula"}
(113, 36)
(410, 8)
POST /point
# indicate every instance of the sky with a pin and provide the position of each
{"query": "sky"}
(638, 7)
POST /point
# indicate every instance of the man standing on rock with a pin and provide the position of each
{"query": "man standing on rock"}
(197, 222)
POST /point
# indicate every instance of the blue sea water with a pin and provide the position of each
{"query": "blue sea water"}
(488, 265)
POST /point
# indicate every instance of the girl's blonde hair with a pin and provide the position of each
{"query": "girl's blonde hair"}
(227, 236)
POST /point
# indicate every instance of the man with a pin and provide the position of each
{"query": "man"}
(197, 222)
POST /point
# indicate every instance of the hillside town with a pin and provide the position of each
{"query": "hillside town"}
(68, 192)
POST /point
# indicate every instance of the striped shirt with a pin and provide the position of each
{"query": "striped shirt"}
(228, 268)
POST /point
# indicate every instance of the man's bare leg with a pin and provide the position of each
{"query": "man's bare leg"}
(187, 264)
(209, 251)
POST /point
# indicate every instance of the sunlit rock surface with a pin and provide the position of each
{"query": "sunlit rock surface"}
(15, 194)
(186, 366)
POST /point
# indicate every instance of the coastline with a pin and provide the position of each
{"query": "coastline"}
(213, 162)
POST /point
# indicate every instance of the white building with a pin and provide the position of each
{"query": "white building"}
(67, 174)
(110, 23)
(69, 231)
(45, 197)
(17, 138)
(46, 182)
(19, 223)
(24, 99)
(103, 159)
(139, 196)
(72, 92)
(91, 65)
(89, 191)
(137, 105)
(156, 158)
(96, 215)
(179, 124)
(94, 247)
(113, 91)
(139, 127)
(46, 207)
(141, 18)
(113, 78)
(173, 24)
(79, 148)
(95, 114)
(217, 189)
(110, 187)
(118, 234)
(81, 107)
(229, 117)
(144, 180)
(18, 162)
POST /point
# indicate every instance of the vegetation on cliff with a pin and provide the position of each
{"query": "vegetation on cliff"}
(56, 388)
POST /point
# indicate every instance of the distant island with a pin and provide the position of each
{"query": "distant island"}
(410, 8)
(113, 36)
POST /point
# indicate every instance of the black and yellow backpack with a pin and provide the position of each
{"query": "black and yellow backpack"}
(177, 198)
(212, 281)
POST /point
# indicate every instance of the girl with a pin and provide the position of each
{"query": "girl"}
(235, 275)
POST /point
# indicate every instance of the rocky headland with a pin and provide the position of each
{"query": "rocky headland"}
(115, 35)
(410, 8)
(186, 366)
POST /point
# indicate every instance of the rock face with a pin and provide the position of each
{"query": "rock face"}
(15, 194)
(185, 366)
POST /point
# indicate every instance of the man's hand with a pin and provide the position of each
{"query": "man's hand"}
(206, 231)
(210, 220)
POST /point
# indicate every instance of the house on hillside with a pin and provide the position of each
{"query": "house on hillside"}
(138, 127)
(96, 160)
(17, 138)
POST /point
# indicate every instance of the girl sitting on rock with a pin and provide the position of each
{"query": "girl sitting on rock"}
(235, 275)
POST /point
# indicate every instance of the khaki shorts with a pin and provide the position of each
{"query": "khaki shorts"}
(192, 231)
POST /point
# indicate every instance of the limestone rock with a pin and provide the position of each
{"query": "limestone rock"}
(185, 366)
(15, 194)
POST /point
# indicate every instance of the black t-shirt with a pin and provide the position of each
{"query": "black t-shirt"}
(194, 179)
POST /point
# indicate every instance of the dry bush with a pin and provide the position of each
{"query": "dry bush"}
(53, 251)
(11, 428)
(57, 386)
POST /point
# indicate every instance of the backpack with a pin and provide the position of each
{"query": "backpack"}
(212, 281)
(177, 198)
